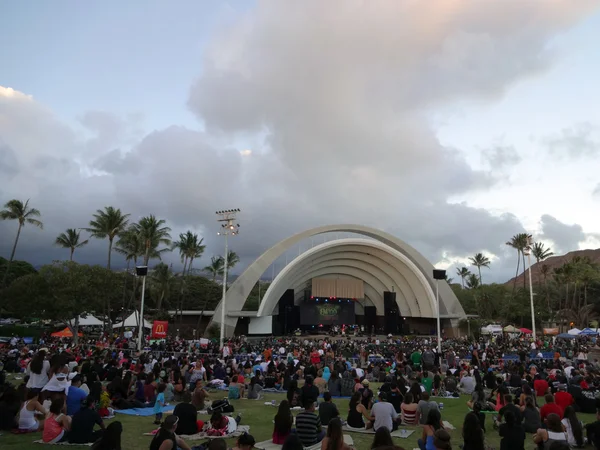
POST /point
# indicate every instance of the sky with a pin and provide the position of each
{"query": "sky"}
(451, 124)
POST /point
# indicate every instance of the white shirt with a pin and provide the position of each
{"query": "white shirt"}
(38, 380)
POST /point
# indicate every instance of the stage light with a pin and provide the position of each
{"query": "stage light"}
(325, 300)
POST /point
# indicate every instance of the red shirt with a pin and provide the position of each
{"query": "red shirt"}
(563, 399)
(540, 387)
(550, 408)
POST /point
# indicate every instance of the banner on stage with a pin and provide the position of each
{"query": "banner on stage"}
(159, 329)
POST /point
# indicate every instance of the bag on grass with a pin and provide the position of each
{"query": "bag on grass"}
(221, 405)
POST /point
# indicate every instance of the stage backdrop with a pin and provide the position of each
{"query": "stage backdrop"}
(338, 287)
(313, 313)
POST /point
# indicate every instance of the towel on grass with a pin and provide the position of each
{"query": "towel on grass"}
(268, 444)
(241, 429)
(144, 412)
(400, 433)
(40, 441)
(486, 412)
(448, 425)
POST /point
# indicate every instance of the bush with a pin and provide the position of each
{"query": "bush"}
(213, 332)
(21, 331)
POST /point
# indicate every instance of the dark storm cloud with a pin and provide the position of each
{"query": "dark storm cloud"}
(566, 237)
(342, 106)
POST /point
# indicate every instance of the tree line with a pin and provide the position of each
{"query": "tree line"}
(63, 289)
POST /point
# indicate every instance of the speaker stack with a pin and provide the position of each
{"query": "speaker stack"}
(393, 320)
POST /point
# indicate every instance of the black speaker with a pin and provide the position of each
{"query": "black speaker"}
(392, 313)
(439, 274)
(287, 299)
(370, 318)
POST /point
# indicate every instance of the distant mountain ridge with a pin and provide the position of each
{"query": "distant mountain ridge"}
(553, 262)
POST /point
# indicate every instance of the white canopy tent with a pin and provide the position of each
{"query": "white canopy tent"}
(574, 331)
(88, 321)
(132, 321)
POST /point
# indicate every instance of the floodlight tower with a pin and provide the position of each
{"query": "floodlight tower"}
(229, 226)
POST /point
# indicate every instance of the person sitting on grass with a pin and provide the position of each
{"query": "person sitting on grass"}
(111, 439)
(166, 439)
(409, 412)
(32, 407)
(199, 396)
(424, 406)
(472, 433)
(382, 439)
(283, 423)
(383, 414)
(358, 415)
(188, 423)
(84, 420)
(254, 389)
(328, 410)
(57, 424)
(512, 433)
(245, 442)
(159, 403)
(221, 425)
(308, 425)
(334, 439)
(432, 424)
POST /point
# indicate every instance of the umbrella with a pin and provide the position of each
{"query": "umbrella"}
(511, 329)
(589, 332)
(65, 333)
(574, 331)
(566, 336)
(525, 330)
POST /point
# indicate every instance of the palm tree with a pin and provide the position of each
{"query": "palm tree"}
(479, 261)
(473, 282)
(540, 253)
(108, 224)
(130, 245)
(153, 234)
(162, 278)
(183, 244)
(17, 210)
(519, 243)
(545, 271)
(215, 268)
(196, 250)
(70, 240)
(232, 260)
(463, 273)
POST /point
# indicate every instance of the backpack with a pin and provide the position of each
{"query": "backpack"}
(221, 405)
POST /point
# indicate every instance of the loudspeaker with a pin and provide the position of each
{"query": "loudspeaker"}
(439, 274)
(392, 313)
(370, 318)
(287, 299)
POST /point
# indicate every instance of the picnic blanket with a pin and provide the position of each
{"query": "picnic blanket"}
(401, 433)
(144, 412)
(268, 444)
(486, 412)
(241, 429)
(40, 441)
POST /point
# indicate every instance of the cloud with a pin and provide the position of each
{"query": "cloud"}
(596, 191)
(566, 238)
(579, 141)
(501, 156)
(340, 94)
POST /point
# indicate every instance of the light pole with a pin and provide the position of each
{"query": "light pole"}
(438, 275)
(229, 226)
(141, 271)
(527, 251)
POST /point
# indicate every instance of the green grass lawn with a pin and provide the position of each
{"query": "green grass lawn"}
(259, 416)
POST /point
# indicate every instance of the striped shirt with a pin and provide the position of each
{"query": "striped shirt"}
(308, 427)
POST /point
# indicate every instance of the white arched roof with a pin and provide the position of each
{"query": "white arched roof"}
(390, 261)
(378, 265)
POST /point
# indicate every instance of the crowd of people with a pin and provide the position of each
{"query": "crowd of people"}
(68, 392)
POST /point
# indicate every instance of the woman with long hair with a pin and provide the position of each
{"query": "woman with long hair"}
(408, 410)
(334, 439)
(555, 432)
(111, 438)
(531, 416)
(27, 416)
(282, 424)
(432, 424)
(415, 391)
(512, 433)
(293, 394)
(358, 415)
(334, 384)
(478, 395)
(38, 370)
(573, 427)
(382, 438)
(472, 433)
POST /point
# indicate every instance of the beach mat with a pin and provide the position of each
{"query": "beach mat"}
(401, 433)
(143, 412)
(268, 444)
(241, 429)
(40, 441)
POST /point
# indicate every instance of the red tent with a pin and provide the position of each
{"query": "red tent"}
(66, 333)
(525, 330)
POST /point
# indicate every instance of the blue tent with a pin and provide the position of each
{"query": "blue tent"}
(589, 332)
(566, 336)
